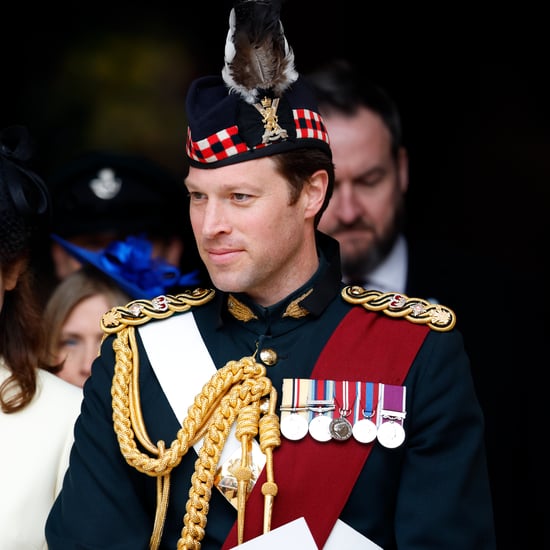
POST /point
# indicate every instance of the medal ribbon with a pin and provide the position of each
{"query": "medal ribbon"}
(364, 401)
(295, 396)
(343, 398)
(392, 404)
(321, 395)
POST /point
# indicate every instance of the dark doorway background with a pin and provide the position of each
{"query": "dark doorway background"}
(472, 89)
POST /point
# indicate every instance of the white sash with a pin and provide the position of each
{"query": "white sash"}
(182, 364)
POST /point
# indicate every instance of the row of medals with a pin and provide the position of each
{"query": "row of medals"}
(323, 427)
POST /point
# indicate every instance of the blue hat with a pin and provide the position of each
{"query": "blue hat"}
(131, 265)
(259, 105)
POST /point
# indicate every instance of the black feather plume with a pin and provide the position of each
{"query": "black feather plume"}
(258, 58)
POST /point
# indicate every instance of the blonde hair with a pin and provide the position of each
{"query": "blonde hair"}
(79, 285)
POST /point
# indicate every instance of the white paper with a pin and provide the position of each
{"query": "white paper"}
(343, 536)
(296, 535)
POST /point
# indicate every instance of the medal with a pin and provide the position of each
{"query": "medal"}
(319, 403)
(294, 413)
(340, 427)
(364, 429)
(294, 426)
(319, 428)
(390, 432)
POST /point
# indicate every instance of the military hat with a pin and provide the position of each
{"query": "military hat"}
(122, 193)
(259, 105)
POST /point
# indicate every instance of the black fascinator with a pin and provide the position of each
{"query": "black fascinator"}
(24, 198)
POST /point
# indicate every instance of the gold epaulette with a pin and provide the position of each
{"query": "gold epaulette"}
(139, 312)
(415, 310)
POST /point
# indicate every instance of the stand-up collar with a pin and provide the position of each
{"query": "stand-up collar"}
(311, 299)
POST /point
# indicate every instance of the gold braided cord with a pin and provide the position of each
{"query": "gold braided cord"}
(415, 310)
(125, 418)
(163, 492)
(238, 386)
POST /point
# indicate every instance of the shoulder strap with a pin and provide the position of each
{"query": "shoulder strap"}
(362, 348)
(140, 312)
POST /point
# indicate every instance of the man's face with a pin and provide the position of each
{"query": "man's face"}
(249, 236)
(366, 208)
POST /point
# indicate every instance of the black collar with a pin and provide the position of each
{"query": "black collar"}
(311, 299)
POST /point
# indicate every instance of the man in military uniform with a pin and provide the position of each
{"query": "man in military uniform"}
(281, 401)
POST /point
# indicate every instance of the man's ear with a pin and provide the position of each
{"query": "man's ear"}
(315, 191)
(403, 169)
(64, 263)
(11, 275)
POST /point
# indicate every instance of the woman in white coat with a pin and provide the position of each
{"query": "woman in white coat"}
(37, 409)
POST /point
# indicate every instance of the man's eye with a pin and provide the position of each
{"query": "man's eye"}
(195, 196)
(240, 197)
(370, 182)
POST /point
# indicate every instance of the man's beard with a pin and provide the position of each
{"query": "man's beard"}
(359, 266)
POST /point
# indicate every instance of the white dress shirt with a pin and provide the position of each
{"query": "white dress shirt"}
(391, 274)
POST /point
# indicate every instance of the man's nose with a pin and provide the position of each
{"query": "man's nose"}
(348, 206)
(215, 219)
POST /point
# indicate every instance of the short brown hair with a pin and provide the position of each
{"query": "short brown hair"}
(298, 165)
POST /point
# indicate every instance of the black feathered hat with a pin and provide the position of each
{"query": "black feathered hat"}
(259, 105)
(24, 198)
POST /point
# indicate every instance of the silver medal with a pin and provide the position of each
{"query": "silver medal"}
(294, 426)
(391, 434)
(319, 428)
(340, 429)
(364, 430)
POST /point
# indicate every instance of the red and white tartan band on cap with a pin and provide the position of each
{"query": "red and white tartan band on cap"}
(227, 142)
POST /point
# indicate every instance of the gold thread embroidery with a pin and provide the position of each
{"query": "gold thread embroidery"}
(416, 310)
(295, 310)
(239, 310)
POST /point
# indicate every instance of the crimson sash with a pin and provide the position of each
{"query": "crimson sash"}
(366, 347)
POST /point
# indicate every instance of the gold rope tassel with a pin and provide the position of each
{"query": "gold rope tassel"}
(247, 429)
(270, 439)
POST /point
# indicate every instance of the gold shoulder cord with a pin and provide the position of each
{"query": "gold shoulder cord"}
(415, 310)
(234, 391)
